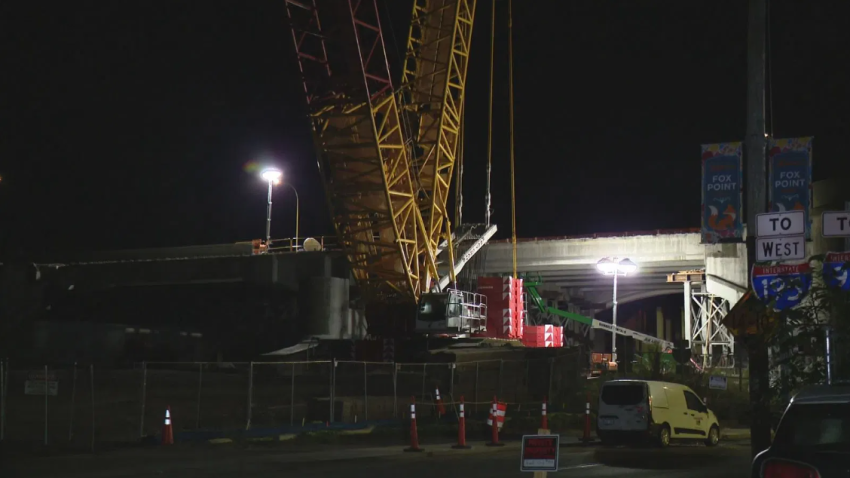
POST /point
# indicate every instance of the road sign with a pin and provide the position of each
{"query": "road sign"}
(836, 268)
(773, 224)
(38, 387)
(836, 224)
(787, 285)
(539, 453)
(783, 248)
(717, 382)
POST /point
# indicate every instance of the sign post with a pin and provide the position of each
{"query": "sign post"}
(540, 454)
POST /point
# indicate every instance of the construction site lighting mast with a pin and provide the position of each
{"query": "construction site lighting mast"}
(615, 267)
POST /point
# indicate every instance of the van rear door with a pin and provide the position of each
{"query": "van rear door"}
(623, 406)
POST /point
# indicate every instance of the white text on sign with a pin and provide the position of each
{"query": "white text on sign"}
(790, 223)
(836, 224)
(786, 248)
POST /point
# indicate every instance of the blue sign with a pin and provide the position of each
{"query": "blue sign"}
(835, 270)
(791, 177)
(722, 186)
(787, 285)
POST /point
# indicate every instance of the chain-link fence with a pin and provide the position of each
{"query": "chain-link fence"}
(84, 405)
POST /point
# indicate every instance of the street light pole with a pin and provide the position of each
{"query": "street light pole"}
(615, 267)
(614, 321)
(269, 217)
(271, 176)
(297, 214)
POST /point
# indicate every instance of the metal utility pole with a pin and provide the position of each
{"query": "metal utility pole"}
(756, 182)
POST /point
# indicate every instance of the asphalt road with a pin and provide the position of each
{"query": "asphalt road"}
(728, 461)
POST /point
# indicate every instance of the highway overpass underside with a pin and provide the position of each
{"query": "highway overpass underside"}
(165, 305)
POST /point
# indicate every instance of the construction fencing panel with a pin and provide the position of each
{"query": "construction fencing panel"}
(85, 404)
(61, 416)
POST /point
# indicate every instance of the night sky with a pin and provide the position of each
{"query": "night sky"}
(133, 124)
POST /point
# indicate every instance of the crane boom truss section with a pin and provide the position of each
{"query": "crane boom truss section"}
(432, 91)
(359, 143)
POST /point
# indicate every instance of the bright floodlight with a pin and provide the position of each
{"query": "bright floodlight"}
(271, 175)
(626, 266)
(606, 266)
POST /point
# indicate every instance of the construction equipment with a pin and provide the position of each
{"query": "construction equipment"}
(387, 157)
(537, 300)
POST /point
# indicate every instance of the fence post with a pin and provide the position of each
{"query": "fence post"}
(475, 391)
(424, 376)
(45, 405)
(395, 390)
(250, 393)
(499, 382)
(73, 404)
(292, 398)
(365, 392)
(333, 389)
(452, 382)
(200, 387)
(91, 380)
(144, 398)
(2, 400)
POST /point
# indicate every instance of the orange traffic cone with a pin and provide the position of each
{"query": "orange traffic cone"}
(544, 422)
(461, 428)
(414, 435)
(586, 438)
(441, 410)
(494, 430)
(167, 430)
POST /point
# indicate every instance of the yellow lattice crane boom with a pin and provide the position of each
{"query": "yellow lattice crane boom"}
(432, 94)
(368, 180)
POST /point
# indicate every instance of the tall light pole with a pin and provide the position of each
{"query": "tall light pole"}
(616, 267)
(297, 214)
(271, 176)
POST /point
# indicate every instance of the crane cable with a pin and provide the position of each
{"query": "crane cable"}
(511, 114)
(488, 198)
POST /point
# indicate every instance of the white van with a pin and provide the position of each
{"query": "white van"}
(632, 410)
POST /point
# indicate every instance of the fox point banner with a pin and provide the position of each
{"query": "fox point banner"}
(722, 181)
(790, 185)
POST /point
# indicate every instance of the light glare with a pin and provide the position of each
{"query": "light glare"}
(271, 175)
(606, 266)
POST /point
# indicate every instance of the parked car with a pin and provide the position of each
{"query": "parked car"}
(631, 411)
(813, 437)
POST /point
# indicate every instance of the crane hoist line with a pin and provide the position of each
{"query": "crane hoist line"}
(387, 156)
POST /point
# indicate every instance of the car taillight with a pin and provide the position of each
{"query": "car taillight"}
(787, 469)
